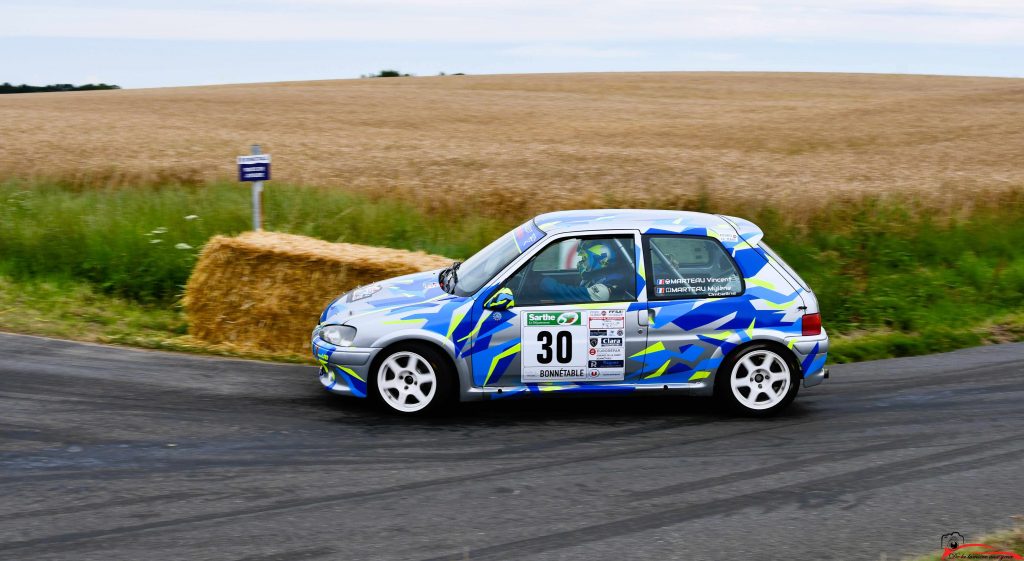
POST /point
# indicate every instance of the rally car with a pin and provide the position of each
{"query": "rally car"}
(595, 301)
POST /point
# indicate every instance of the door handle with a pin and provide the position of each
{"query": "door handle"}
(644, 317)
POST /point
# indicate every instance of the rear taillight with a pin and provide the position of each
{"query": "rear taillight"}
(811, 324)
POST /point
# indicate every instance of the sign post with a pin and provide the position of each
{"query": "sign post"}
(255, 169)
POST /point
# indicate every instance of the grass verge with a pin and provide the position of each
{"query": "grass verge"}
(77, 311)
(894, 276)
(874, 345)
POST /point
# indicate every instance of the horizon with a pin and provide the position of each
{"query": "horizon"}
(146, 44)
(513, 74)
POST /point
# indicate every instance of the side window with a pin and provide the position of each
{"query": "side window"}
(690, 267)
(557, 257)
(785, 266)
(576, 271)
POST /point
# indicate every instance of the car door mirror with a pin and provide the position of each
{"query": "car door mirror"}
(501, 300)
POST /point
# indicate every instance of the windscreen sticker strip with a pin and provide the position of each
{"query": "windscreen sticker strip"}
(527, 235)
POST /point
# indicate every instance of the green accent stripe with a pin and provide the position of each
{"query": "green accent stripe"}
(659, 346)
(557, 388)
(661, 370)
(762, 283)
(352, 373)
(781, 306)
(402, 321)
(494, 361)
(456, 319)
(700, 375)
(479, 324)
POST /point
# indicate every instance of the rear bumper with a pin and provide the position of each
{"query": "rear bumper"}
(816, 378)
(811, 353)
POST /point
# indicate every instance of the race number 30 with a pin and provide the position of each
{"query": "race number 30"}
(557, 346)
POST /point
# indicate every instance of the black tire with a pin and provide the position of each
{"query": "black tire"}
(738, 401)
(443, 394)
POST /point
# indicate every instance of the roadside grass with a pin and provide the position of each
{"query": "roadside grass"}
(879, 344)
(77, 311)
(894, 276)
(74, 310)
(1009, 540)
(141, 243)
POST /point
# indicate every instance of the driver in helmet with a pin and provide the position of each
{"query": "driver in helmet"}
(600, 275)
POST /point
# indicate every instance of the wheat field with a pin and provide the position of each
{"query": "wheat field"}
(544, 141)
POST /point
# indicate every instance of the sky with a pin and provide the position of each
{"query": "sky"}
(140, 43)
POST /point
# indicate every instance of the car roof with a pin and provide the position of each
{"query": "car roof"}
(648, 221)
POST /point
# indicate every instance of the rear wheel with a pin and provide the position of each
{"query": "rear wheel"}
(758, 380)
(414, 380)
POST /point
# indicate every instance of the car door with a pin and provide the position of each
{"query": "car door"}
(568, 327)
(695, 303)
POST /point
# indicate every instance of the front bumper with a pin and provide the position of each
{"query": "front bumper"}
(345, 370)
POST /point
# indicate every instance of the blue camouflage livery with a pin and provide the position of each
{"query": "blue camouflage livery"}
(675, 345)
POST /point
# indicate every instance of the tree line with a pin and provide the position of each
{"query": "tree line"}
(9, 88)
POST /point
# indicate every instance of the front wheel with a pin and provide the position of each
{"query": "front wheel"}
(757, 381)
(414, 380)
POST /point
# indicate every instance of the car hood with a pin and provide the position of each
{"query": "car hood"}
(384, 296)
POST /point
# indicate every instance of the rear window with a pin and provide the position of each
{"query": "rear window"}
(690, 267)
(784, 266)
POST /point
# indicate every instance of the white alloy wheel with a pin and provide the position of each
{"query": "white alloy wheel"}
(760, 380)
(406, 381)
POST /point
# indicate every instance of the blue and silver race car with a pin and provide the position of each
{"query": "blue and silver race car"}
(594, 301)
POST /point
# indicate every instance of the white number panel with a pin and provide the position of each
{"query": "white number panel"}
(574, 346)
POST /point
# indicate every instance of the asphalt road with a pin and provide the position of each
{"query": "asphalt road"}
(110, 453)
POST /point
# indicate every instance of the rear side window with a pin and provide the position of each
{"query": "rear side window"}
(785, 266)
(690, 267)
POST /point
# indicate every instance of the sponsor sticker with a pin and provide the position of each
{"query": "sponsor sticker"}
(572, 345)
(726, 236)
(527, 235)
(562, 374)
(697, 286)
(607, 321)
(552, 318)
(365, 292)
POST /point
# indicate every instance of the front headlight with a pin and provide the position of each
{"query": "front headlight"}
(338, 335)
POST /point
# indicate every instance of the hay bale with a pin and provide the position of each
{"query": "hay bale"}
(264, 291)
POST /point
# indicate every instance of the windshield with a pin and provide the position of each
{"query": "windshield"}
(487, 262)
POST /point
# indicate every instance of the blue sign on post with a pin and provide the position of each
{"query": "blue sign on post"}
(254, 168)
